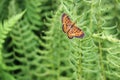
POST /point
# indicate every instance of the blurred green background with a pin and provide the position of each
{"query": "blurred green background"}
(34, 47)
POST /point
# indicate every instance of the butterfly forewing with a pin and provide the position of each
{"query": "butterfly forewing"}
(66, 23)
(69, 27)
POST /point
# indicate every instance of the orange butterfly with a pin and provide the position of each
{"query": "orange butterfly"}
(70, 28)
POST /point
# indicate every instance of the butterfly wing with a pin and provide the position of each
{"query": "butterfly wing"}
(66, 23)
(69, 27)
(75, 32)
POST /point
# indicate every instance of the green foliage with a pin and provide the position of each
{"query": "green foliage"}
(5, 28)
(35, 47)
(96, 56)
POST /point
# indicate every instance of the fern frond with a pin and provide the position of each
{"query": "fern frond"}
(38, 49)
(5, 28)
(27, 55)
(99, 41)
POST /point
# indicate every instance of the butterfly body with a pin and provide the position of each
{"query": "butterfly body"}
(70, 28)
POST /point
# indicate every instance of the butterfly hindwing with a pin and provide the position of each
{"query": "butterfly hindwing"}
(75, 32)
(70, 29)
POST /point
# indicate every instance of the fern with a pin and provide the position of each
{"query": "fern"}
(92, 55)
(24, 43)
(5, 28)
(37, 49)
(26, 62)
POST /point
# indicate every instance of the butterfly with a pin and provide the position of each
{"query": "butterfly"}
(70, 28)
